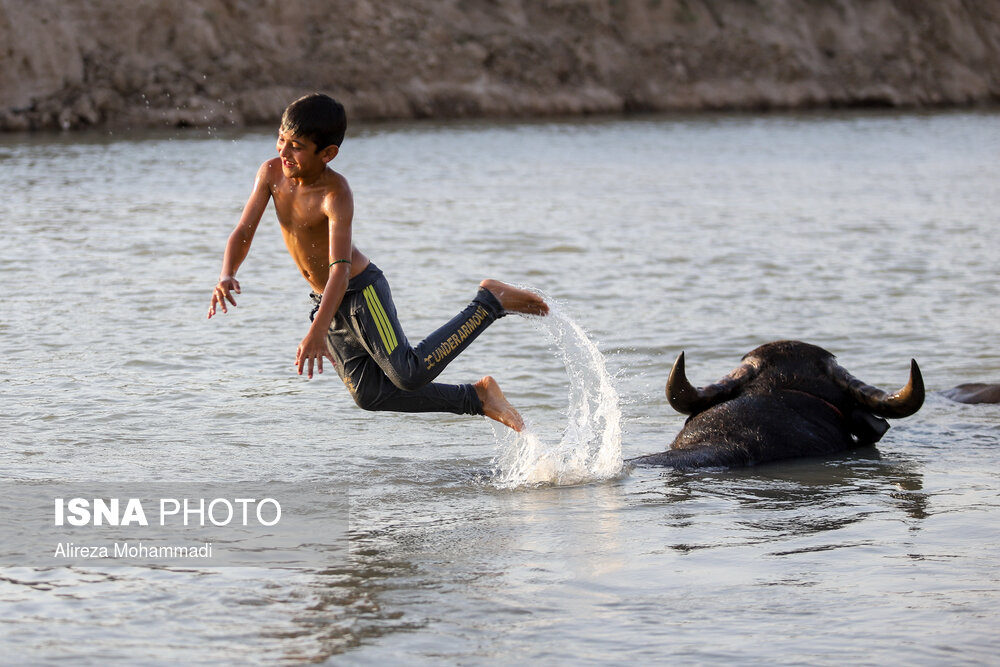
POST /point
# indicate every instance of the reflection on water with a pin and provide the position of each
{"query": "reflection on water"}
(343, 608)
(780, 502)
(291, 616)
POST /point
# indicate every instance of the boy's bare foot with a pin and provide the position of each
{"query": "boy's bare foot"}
(516, 300)
(495, 404)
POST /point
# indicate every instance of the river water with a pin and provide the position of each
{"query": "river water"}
(872, 235)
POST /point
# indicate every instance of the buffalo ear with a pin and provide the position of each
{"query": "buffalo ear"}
(867, 428)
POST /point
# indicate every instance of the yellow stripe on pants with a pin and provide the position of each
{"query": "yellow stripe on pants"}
(385, 330)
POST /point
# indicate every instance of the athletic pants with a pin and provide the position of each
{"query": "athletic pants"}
(380, 367)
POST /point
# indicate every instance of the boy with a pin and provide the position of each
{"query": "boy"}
(354, 321)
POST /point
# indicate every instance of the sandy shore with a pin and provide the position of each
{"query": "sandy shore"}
(214, 63)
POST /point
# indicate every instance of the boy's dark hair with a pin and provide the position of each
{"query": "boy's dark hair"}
(317, 117)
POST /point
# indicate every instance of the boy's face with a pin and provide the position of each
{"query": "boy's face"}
(299, 157)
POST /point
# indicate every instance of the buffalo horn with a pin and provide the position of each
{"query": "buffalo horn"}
(687, 399)
(903, 403)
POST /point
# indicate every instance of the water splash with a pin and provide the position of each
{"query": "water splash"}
(590, 448)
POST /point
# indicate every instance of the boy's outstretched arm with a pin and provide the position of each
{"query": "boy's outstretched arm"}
(239, 241)
(339, 209)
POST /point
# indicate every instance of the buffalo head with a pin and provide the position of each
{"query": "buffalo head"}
(786, 399)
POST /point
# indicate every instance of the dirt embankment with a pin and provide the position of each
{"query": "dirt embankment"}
(232, 62)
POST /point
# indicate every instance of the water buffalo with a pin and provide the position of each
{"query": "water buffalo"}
(786, 399)
(974, 392)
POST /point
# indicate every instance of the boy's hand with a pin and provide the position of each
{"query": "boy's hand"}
(224, 290)
(311, 350)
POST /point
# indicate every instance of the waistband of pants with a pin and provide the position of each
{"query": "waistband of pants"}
(357, 283)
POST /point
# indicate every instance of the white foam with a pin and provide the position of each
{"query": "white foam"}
(590, 447)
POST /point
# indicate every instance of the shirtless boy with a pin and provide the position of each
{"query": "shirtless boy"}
(354, 322)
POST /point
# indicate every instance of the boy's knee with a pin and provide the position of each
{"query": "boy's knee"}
(406, 379)
(408, 383)
(373, 397)
(366, 400)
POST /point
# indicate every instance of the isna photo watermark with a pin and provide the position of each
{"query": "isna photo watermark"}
(253, 524)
